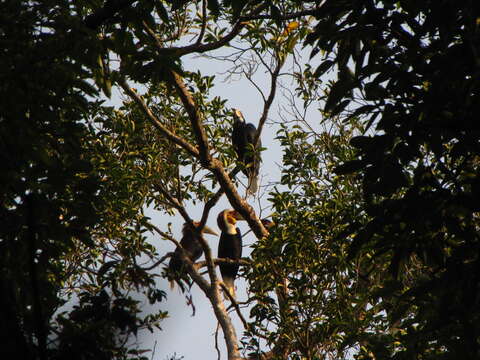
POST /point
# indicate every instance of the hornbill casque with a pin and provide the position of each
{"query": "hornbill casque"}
(230, 246)
(191, 243)
(243, 137)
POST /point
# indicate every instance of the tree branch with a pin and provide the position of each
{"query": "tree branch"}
(217, 261)
(235, 305)
(157, 123)
(236, 200)
(175, 203)
(158, 262)
(201, 48)
(214, 199)
(194, 115)
(269, 101)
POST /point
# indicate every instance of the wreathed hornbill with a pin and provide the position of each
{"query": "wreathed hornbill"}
(243, 137)
(230, 246)
(191, 244)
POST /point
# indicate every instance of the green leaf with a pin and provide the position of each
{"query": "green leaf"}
(106, 267)
(214, 7)
(338, 91)
(323, 67)
(373, 91)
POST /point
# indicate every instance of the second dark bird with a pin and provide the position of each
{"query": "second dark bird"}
(229, 247)
(193, 248)
(243, 137)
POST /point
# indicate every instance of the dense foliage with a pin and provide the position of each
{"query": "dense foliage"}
(412, 68)
(374, 250)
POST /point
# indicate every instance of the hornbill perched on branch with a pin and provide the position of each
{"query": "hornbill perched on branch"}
(230, 246)
(193, 248)
(243, 137)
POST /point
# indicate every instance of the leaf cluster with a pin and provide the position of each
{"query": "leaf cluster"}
(310, 300)
(408, 71)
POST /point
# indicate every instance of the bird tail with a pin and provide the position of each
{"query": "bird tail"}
(252, 184)
(230, 287)
(180, 285)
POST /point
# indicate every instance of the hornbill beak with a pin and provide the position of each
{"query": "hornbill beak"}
(237, 215)
(238, 114)
(209, 230)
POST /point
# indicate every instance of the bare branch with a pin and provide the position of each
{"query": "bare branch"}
(216, 341)
(166, 236)
(158, 262)
(235, 305)
(244, 261)
(175, 203)
(269, 101)
(201, 48)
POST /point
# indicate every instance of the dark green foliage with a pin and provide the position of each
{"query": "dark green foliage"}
(303, 264)
(48, 186)
(54, 195)
(415, 65)
(95, 328)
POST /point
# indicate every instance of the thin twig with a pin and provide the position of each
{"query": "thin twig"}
(175, 203)
(218, 261)
(269, 101)
(162, 259)
(216, 341)
(153, 351)
(235, 306)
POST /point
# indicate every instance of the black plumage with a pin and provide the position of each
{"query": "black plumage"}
(243, 138)
(191, 244)
(229, 247)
